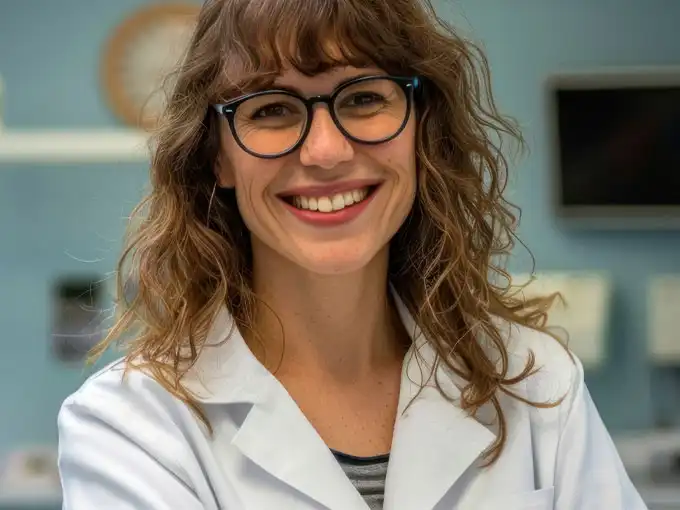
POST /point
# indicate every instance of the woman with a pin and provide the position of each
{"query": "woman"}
(314, 326)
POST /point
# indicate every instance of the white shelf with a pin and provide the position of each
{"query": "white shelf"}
(73, 146)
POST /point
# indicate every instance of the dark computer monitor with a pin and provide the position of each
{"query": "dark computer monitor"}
(616, 148)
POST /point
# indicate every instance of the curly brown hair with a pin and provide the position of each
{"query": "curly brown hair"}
(190, 252)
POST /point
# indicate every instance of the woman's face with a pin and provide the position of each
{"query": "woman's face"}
(362, 193)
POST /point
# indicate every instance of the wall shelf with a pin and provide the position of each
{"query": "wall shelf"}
(73, 146)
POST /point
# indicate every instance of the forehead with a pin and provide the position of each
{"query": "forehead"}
(290, 67)
(323, 82)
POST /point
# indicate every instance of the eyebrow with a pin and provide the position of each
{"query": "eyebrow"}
(295, 90)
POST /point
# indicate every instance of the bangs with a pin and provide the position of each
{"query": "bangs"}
(263, 38)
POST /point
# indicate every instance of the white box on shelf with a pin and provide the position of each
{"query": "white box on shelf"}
(663, 316)
(29, 478)
(585, 311)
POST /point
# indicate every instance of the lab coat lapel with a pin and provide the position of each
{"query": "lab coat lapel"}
(435, 441)
(274, 435)
(294, 453)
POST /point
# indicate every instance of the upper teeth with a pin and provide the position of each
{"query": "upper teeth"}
(331, 203)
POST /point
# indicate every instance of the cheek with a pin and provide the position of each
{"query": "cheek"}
(252, 178)
(402, 149)
(250, 182)
(399, 155)
(402, 159)
(240, 167)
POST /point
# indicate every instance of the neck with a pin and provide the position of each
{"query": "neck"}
(338, 326)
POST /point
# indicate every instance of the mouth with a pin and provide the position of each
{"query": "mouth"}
(331, 203)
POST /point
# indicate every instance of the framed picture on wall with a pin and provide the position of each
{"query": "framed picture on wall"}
(77, 316)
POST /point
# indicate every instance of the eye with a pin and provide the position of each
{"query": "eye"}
(363, 99)
(271, 110)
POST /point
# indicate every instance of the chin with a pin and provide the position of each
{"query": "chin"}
(336, 260)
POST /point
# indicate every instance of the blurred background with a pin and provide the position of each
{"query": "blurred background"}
(594, 85)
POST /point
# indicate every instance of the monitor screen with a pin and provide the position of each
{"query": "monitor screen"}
(618, 146)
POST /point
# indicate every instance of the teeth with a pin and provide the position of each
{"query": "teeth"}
(331, 203)
(325, 204)
(338, 202)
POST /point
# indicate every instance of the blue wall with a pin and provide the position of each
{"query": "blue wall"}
(52, 216)
(527, 41)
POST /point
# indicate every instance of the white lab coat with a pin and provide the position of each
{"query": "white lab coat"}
(131, 445)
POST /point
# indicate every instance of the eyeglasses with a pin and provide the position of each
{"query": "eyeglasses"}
(368, 110)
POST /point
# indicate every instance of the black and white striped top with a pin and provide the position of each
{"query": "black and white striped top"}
(367, 474)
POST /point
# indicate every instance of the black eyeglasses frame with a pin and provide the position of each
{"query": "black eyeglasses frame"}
(410, 85)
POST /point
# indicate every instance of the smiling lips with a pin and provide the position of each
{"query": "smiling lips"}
(330, 206)
(327, 204)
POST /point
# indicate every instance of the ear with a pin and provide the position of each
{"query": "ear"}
(223, 172)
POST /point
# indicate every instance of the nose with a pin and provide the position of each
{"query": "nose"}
(325, 146)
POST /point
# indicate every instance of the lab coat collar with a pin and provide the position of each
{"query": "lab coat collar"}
(434, 441)
(227, 372)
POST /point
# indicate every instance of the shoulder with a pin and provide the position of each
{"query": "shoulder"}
(122, 431)
(557, 374)
(127, 403)
(118, 385)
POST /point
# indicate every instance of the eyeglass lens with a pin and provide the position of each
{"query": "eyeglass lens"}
(369, 111)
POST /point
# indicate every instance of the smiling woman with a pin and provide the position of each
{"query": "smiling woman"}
(349, 127)
(319, 321)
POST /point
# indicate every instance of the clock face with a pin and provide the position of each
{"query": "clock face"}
(140, 58)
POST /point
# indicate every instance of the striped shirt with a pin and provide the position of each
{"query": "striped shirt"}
(367, 474)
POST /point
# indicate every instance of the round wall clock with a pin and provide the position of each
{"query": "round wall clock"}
(141, 52)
